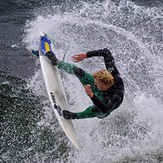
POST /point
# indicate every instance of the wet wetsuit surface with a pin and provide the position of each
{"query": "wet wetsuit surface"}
(104, 101)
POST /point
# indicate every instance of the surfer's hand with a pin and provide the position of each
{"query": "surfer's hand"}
(88, 90)
(79, 57)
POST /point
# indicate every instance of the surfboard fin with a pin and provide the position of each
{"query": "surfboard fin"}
(35, 53)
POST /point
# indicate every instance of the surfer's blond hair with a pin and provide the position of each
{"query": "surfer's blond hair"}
(104, 77)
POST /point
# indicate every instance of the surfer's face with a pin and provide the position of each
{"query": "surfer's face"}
(99, 86)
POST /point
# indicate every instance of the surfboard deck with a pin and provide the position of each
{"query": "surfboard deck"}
(56, 94)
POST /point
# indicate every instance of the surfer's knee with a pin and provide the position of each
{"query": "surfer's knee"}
(78, 71)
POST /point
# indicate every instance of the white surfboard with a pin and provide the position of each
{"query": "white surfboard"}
(57, 95)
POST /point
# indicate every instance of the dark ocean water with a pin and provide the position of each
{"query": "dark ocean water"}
(132, 30)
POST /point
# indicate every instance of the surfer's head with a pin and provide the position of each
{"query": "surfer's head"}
(103, 79)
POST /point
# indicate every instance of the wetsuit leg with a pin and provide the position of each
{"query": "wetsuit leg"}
(84, 77)
(88, 113)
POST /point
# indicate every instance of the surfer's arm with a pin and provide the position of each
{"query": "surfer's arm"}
(88, 90)
(108, 59)
(110, 105)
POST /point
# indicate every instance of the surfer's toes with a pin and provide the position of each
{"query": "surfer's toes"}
(52, 57)
(69, 115)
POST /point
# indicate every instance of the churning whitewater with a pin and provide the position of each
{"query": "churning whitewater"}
(133, 132)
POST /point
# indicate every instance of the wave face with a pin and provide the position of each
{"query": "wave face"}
(133, 132)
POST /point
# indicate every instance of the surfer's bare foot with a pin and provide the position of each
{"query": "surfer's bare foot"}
(69, 115)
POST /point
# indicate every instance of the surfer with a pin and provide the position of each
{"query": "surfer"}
(105, 88)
